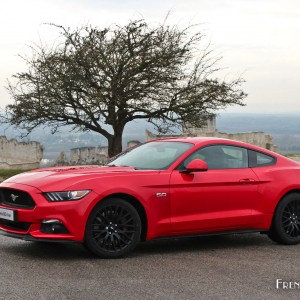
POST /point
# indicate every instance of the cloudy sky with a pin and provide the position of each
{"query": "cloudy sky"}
(258, 39)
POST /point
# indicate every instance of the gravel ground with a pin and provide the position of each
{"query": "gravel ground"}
(227, 267)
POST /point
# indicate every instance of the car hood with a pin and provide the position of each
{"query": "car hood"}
(63, 177)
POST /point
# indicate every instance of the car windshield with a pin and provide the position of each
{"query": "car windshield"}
(151, 156)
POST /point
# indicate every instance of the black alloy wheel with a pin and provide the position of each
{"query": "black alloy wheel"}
(286, 222)
(291, 219)
(113, 228)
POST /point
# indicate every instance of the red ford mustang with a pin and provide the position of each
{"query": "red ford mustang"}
(162, 188)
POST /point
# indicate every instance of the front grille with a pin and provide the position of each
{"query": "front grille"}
(24, 226)
(16, 198)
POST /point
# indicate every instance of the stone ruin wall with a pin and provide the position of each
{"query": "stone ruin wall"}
(19, 155)
(256, 138)
(99, 155)
(259, 138)
(88, 155)
(131, 144)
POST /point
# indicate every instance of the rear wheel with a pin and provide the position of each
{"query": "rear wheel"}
(113, 228)
(286, 221)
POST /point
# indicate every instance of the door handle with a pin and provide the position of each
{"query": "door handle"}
(247, 180)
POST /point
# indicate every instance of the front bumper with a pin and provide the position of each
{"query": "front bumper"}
(30, 238)
(28, 222)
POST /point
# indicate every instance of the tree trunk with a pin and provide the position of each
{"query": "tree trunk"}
(115, 143)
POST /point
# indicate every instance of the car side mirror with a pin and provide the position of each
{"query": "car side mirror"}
(196, 165)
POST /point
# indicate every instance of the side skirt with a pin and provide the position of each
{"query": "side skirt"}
(217, 233)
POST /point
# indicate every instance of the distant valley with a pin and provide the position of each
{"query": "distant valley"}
(285, 129)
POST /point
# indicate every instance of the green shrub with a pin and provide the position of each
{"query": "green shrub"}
(5, 173)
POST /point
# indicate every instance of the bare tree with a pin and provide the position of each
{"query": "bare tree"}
(115, 75)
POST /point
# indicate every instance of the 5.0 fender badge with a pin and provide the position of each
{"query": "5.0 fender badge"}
(159, 195)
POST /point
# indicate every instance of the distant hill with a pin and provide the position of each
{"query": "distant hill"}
(285, 128)
(66, 139)
(269, 123)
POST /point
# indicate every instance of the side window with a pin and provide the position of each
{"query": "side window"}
(235, 157)
(221, 157)
(258, 159)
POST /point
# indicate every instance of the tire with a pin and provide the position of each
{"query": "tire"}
(113, 228)
(285, 227)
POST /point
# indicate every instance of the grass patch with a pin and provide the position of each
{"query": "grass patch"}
(292, 154)
(4, 173)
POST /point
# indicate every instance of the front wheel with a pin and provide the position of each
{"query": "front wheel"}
(113, 228)
(286, 221)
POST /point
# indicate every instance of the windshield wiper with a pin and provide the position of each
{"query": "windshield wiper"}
(122, 166)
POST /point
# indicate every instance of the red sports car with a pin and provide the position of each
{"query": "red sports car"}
(168, 187)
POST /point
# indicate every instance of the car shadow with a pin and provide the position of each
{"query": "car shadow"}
(47, 250)
(73, 251)
(203, 243)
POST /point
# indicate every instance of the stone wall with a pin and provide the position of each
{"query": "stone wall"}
(256, 138)
(88, 155)
(208, 126)
(131, 144)
(99, 155)
(19, 155)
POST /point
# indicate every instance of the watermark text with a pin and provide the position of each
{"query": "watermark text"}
(287, 285)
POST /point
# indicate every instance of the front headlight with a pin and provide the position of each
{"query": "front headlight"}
(66, 195)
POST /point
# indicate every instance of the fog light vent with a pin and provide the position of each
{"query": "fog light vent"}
(53, 226)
